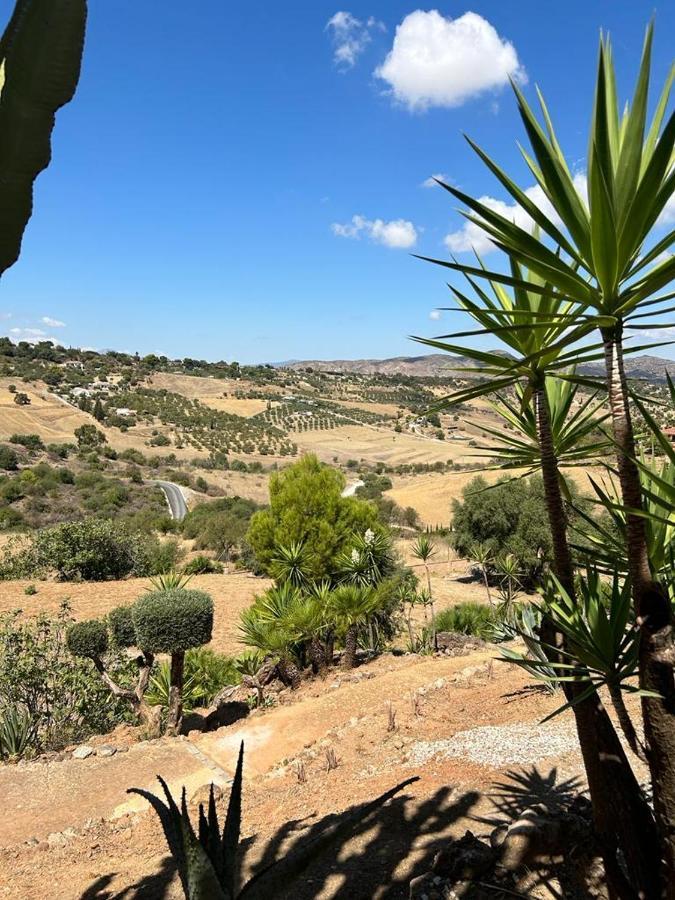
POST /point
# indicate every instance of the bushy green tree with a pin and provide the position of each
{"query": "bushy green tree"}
(307, 507)
(89, 436)
(507, 518)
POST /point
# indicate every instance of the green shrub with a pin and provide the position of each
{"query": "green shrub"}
(17, 731)
(122, 626)
(64, 695)
(29, 441)
(8, 459)
(202, 565)
(88, 639)
(468, 618)
(219, 525)
(173, 621)
(206, 674)
(91, 550)
(30, 590)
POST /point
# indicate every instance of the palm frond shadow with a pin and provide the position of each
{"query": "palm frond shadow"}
(363, 864)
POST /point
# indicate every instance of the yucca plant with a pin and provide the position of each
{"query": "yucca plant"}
(289, 564)
(602, 261)
(208, 860)
(603, 641)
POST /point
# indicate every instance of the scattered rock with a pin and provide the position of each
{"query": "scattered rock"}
(201, 794)
(83, 752)
(106, 750)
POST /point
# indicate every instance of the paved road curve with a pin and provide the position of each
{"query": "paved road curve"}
(175, 499)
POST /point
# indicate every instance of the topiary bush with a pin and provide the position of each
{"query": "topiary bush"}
(173, 621)
(88, 639)
(122, 626)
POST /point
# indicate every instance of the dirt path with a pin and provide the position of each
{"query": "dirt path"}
(286, 731)
(115, 850)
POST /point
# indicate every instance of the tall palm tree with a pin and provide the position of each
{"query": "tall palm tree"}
(542, 332)
(604, 260)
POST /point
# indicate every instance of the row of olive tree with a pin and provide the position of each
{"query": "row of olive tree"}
(572, 289)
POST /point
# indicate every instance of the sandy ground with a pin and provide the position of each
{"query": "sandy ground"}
(120, 852)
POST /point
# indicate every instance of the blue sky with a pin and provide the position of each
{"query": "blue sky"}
(205, 182)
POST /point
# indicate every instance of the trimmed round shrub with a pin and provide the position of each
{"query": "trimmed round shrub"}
(122, 626)
(88, 638)
(173, 621)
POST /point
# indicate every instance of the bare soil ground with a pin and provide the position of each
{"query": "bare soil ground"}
(116, 850)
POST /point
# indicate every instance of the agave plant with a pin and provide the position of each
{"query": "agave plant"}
(18, 731)
(208, 860)
(169, 581)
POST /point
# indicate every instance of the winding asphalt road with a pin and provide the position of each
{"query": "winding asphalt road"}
(175, 499)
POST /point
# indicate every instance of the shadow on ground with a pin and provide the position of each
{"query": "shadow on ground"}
(361, 866)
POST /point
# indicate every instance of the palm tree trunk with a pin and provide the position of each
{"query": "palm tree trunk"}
(349, 655)
(317, 655)
(622, 818)
(288, 672)
(652, 607)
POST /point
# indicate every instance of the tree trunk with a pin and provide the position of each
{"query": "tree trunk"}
(288, 672)
(652, 608)
(626, 723)
(174, 715)
(349, 655)
(317, 655)
(622, 818)
(330, 647)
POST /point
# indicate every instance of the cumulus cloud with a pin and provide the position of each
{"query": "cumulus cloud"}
(431, 180)
(472, 237)
(52, 323)
(398, 233)
(350, 37)
(435, 314)
(436, 61)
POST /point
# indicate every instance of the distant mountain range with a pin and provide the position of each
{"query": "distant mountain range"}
(650, 368)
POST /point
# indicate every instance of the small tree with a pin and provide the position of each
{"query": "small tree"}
(350, 606)
(89, 436)
(93, 638)
(21, 399)
(173, 621)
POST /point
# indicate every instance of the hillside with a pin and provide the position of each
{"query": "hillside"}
(435, 365)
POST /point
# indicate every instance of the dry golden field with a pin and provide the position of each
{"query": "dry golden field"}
(54, 420)
(231, 593)
(377, 445)
(432, 494)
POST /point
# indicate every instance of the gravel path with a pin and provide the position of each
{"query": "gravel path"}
(500, 745)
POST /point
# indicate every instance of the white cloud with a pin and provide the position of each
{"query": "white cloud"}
(667, 216)
(436, 61)
(431, 180)
(472, 237)
(52, 323)
(435, 314)
(350, 37)
(398, 233)
(31, 335)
